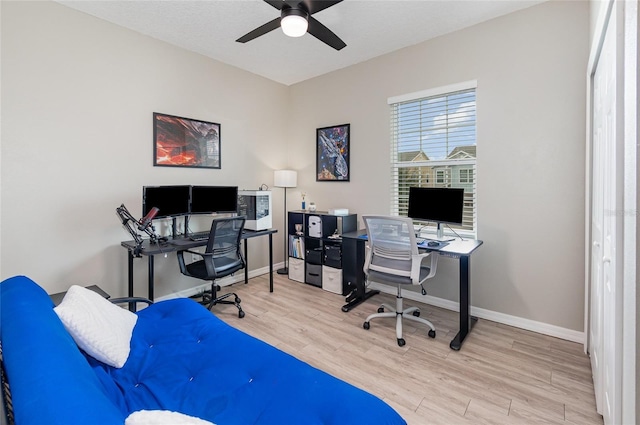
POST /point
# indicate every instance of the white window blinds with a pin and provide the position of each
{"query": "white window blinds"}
(433, 144)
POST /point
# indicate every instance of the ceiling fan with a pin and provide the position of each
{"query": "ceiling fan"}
(296, 20)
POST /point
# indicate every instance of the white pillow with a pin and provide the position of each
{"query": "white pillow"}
(163, 417)
(102, 329)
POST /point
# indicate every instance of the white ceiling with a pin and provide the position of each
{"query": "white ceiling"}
(369, 28)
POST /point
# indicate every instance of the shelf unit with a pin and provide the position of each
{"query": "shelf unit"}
(315, 248)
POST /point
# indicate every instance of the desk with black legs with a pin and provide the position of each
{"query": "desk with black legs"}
(353, 252)
(173, 245)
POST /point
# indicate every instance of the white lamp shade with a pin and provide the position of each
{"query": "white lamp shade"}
(285, 178)
(294, 26)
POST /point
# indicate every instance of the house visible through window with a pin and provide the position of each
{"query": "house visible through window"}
(433, 144)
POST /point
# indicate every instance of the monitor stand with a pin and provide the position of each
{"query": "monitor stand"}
(439, 236)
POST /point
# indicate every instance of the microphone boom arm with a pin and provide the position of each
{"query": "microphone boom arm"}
(132, 226)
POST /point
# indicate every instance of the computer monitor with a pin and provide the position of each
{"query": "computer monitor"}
(214, 199)
(170, 200)
(436, 204)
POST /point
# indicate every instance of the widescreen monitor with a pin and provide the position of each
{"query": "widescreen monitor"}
(436, 204)
(170, 200)
(214, 199)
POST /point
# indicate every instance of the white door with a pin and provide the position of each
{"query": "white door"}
(605, 331)
(597, 210)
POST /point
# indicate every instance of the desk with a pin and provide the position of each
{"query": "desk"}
(57, 298)
(173, 245)
(353, 256)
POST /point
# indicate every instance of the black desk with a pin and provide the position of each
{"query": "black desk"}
(353, 252)
(58, 297)
(173, 245)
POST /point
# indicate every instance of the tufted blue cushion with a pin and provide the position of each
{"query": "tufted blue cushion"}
(51, 382)
(185, 359)
(182, 359)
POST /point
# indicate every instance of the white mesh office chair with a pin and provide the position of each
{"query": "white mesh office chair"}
(392, 257)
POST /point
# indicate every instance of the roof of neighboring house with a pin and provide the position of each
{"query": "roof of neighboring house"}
(461, 152)
(412, 156)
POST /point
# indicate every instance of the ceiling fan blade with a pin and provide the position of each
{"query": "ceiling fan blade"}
(261, 30)
(315, 6)
(324, 34)
(275, 3)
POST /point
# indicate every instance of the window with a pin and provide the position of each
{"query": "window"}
(466, 175)
(433, 144)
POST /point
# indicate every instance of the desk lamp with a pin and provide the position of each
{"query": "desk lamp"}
(285, 179)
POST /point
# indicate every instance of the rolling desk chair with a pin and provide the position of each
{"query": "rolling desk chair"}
(392, 257)
(221, 258)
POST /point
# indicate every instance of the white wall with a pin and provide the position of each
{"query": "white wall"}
(530, 68)
(77, 103)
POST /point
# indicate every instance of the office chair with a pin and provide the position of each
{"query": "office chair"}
(221, 258)
(392, 257)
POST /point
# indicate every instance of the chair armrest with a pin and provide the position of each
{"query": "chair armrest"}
(416, 265)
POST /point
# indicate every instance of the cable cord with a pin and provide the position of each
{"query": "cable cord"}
(461, 238)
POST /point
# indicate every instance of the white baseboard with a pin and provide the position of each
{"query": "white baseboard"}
(494, 316)
(506, 319)
(226, 281)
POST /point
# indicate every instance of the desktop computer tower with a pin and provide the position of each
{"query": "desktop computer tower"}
(256, 206)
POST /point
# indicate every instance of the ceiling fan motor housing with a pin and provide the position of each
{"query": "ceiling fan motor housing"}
(294, 11)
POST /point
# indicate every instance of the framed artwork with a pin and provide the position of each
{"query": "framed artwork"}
(332, 153)
(185, 142)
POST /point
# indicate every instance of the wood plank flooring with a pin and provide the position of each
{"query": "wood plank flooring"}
(502, 375)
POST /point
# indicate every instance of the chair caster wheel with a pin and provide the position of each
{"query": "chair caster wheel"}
(401, 342)
(366, 325)
(241, 314)
(416, 313)
(381, 310)
(432, 333)
(238, 300)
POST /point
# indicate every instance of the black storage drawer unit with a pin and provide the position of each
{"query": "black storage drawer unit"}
(314, 256)
(333, 256)
(313, 275)
(315, 238)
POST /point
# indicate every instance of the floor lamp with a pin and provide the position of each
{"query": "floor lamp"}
(285, 179)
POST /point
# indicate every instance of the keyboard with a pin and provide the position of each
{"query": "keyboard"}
(199, 236)
(420, 240)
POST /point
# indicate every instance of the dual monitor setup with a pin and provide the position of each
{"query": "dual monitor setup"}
(436, 204)
(186, 200)
(443, 206)
(174, 201)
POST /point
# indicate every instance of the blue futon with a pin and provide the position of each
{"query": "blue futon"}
(183, 359)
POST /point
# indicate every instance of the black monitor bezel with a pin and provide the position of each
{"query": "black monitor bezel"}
(173, 212)
(216, 210)
(436, 196)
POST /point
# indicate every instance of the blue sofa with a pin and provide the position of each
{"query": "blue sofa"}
(182, 359)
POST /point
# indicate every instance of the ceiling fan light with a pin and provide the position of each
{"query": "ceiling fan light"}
(294, 25)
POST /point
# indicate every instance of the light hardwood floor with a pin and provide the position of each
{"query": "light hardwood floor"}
(502, 375)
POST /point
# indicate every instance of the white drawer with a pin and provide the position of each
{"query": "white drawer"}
(296, 269)
(332, 280)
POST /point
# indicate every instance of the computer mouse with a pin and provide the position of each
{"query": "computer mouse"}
(433, 243)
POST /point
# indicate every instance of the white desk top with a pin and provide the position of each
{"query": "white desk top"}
(453, 247)
(456, 246)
